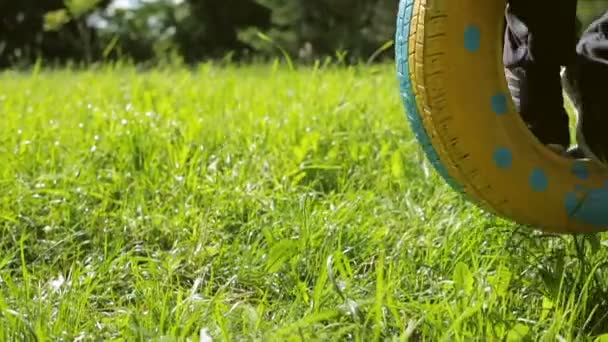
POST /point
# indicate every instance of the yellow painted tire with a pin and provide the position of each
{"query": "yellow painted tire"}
(456, 98)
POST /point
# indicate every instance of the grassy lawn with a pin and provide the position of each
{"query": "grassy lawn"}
(261, 204)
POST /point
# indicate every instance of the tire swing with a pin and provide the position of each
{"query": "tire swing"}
(453, 86)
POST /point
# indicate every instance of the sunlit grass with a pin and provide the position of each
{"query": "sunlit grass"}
(257, 203)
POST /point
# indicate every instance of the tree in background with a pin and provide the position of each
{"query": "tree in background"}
(145, 32)
(211, 29)
(193, 30)
(312, 28)
(51, 29)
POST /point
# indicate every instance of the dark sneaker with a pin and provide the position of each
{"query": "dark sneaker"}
(575, 152)
(540, 105)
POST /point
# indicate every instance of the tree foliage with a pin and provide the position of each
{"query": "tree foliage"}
(323, 27)
(51, 29)
(92, 30)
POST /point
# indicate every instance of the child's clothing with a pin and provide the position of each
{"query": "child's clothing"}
(535, 49)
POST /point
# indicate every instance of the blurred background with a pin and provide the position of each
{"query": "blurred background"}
(152, 31)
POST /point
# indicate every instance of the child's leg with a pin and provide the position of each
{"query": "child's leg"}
(538, 41)
(589, 79)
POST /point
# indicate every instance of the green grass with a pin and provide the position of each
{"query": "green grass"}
(258, 203)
